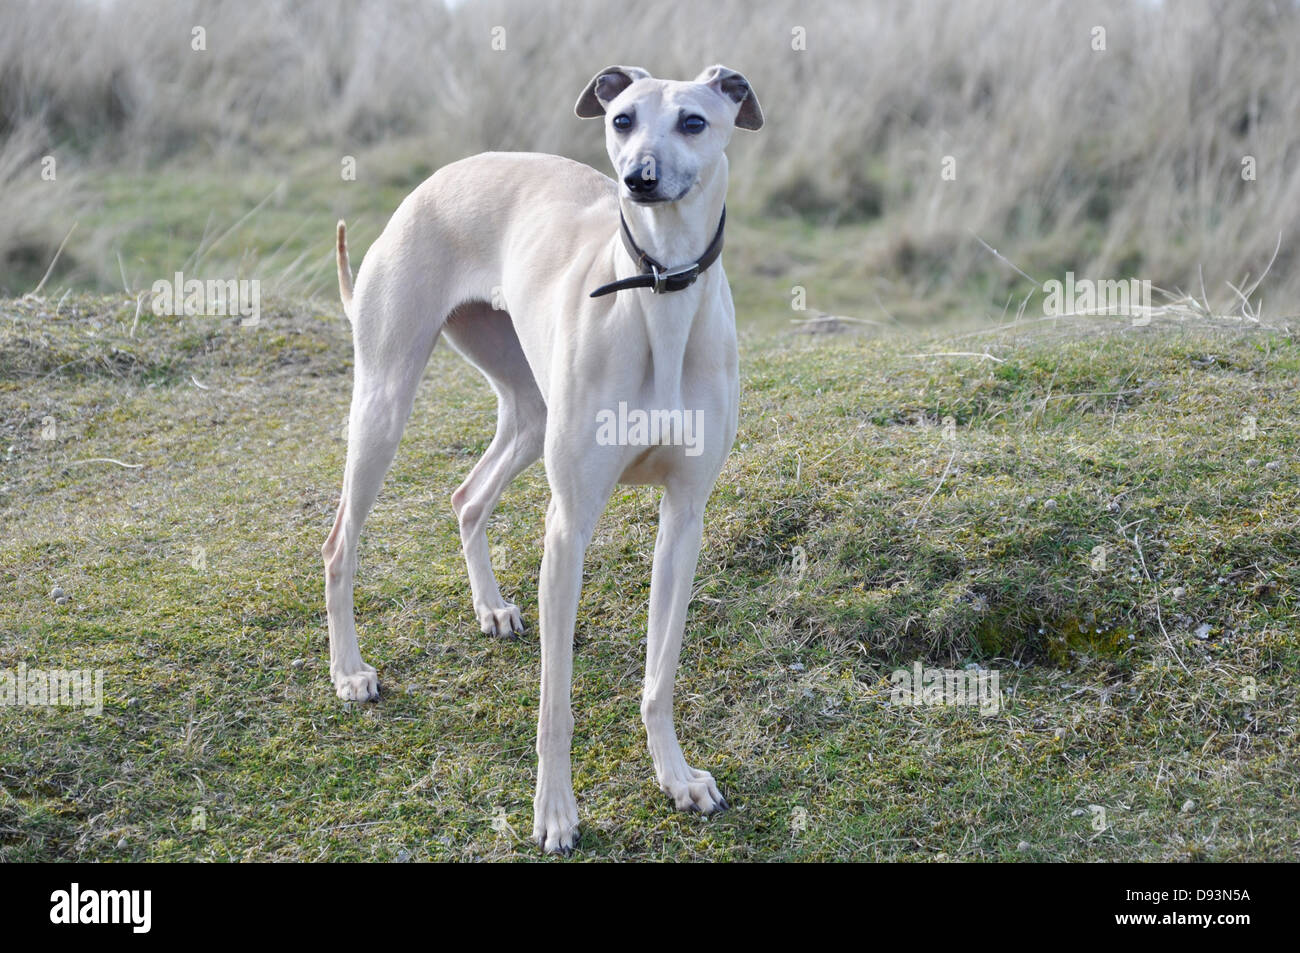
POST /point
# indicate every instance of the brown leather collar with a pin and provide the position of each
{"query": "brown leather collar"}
(656, 277)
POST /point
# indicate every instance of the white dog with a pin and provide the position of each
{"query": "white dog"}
(521, 262)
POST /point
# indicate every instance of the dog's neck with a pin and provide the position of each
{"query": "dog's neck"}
(677, 233)
(674, 234)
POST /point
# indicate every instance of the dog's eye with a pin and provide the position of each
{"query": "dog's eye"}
(693, 124)
(623, 122)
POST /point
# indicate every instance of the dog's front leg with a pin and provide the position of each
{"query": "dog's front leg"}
(569, 525)
(677, 548)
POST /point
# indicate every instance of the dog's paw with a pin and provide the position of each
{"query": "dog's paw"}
(692, 790)
(555, 824)
(361, 686)
(502, 621)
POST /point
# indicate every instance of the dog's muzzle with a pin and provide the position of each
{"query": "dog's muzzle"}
(656, 277)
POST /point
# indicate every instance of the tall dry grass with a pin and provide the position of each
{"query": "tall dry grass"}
(1120, 162)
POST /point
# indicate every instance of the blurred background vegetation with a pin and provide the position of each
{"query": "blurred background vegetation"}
(227, 161)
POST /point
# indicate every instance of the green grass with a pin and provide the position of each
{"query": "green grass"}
(276, 223)
(972, 543)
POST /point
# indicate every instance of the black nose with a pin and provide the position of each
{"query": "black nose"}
(638, 183)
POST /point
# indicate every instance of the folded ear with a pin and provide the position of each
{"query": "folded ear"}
(604, 87)
(729, 83)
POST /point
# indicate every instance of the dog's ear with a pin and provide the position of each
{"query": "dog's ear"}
(729, 83)
(604, 87)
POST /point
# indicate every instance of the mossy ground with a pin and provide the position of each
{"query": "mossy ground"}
(882, 505)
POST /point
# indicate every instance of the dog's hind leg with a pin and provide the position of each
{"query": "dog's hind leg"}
(391, 353)
(486, 338)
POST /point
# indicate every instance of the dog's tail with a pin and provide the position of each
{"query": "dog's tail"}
(345, 270)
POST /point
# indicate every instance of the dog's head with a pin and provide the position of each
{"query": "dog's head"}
(663, 135)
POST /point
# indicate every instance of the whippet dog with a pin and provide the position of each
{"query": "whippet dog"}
(577, 297)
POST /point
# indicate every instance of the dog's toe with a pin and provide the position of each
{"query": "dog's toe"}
(500, 622)
(694, 792)
(362, 686)
(555, 824)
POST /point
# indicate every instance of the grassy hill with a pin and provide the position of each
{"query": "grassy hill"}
(1105, 515)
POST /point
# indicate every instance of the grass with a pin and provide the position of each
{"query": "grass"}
(883, 505)
(1164, 152)
(277, 225)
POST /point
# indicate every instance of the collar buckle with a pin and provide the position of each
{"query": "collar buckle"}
(658, 279)
(675, 280)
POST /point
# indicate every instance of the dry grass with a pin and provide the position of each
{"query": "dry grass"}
(1111, 163)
